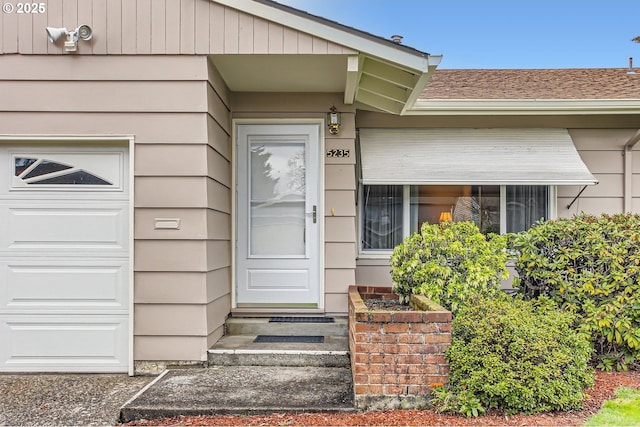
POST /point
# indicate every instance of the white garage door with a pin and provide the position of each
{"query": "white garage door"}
(64, 258)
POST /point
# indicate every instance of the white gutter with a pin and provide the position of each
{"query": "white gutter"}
(524, 107)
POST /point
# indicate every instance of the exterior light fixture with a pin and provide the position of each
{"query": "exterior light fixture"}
(83, 32)
(333, 121)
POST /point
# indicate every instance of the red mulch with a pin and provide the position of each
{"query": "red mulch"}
(605, 385)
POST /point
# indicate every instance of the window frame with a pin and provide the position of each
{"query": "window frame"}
(552, 206)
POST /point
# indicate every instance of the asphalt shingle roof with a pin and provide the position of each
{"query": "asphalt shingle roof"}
(570, 83)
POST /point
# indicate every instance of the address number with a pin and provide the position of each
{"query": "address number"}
(338, 153)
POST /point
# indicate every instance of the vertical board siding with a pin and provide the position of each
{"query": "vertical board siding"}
(187, 26)
(25, 33)
(156, 27)
(143, 27)
(172, 37)
(99, 25)
(114, 27)
(129, 27)
(202, 27)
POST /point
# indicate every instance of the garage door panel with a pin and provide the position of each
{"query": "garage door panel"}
(63, 285)
(57, 343)
(64, 257)
(67, 228)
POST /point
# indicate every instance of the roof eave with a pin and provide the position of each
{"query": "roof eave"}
(524, 107)
(339, 34)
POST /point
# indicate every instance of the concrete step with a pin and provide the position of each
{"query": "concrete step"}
(262, 326)
(241, 350)
(237, 347)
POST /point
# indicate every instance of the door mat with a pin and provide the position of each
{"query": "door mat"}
(290, 338)
(301, 320)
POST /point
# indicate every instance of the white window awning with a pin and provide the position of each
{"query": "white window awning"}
(424, 156)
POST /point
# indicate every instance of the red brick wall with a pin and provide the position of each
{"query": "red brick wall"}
(396, 353)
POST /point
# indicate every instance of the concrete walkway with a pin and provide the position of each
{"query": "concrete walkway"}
(243, 390)
(65, 399)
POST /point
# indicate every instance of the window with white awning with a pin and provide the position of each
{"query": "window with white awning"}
(502, 179)
(471, 156)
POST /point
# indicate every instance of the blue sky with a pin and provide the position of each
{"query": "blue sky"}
(499, 33)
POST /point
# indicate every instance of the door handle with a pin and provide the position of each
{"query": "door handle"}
(315, 214)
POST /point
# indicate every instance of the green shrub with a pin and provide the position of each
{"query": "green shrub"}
(515, 355)
(449, 263)
(590, 266)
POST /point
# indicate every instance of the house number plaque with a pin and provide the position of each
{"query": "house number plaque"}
(338, 152)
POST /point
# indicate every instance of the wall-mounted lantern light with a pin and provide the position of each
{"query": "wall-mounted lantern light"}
(83, 32)
(333, 121)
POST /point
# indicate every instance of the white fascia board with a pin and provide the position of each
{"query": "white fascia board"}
(418, 88)
(353, 74)
(413, 61)
(524, 107)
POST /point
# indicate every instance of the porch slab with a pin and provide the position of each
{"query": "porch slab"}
(249, 390)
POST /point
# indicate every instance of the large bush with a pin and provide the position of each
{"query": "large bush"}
(515, 355)
(449, 263)
(590, 266)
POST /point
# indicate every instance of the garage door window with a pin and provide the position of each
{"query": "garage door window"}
(35, 171)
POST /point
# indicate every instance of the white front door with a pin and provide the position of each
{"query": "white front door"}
(278, 216)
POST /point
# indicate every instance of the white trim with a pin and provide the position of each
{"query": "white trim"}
(320, 207)
(426, 107)
(337, 34)
(503, 209)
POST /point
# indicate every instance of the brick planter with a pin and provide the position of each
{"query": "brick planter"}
(395, 355)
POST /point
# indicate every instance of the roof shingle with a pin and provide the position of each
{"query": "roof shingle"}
(570, 83)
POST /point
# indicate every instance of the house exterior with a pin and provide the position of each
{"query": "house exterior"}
(177, 167)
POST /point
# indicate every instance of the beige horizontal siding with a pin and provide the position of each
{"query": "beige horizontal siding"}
(161, 160)
(340, 203)
(104, 68)
(170, 287)
(156, 27)
(157, 128)
(608, 185)
(339, 229)
(192, 224)
(170, 348)
(374, 272)
(88, 96)
(186, 319)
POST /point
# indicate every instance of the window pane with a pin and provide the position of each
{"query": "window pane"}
(382, 217)
(22, 163)
(477, 203)
(74, 178)
(526, 204)
(46, 167)
(277, 197)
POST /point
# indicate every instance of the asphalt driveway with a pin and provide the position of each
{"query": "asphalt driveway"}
(65, 399)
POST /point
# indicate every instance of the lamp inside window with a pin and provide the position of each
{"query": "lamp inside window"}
(445, 216)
